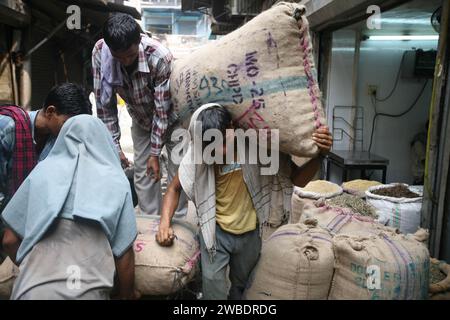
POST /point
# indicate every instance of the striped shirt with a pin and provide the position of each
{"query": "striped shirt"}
(146, 92)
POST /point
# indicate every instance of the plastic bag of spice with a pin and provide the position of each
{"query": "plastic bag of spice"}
(396, 206)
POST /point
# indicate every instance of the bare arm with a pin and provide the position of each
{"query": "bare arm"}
(11, 243)
(125, 275)
(301, 176)
(165, 233)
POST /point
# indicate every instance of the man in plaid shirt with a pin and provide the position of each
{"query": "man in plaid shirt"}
(137, 68)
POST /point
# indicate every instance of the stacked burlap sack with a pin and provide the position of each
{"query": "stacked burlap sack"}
(159, 271)
(394, 205)
(296, 263)
(263, 73)
(306, 261)
(8, 274)
(359, 258)
(439, 280)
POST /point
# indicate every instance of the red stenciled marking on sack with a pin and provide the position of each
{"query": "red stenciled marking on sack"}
(139, 246)
(191, 262)
(312, 85)
(251, 119)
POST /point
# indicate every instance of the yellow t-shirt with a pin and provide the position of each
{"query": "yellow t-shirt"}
(235, 212)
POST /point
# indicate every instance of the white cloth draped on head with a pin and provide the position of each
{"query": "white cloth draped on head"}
(198, 181)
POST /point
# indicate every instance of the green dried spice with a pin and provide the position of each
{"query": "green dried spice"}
(436, 275)
(356, 204)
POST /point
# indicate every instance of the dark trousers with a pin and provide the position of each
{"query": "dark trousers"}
(240, 253)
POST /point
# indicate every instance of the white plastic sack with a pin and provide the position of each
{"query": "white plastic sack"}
(400, 213)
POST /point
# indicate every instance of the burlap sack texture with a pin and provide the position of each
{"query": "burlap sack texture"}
(441, 290)
(8, 274)
(339, 220)
(386, 266)
(296, 263)
(263, 73)
(164, 270)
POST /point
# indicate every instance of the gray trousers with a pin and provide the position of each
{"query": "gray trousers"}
(148, 191)
(65, 265)
(238, 252)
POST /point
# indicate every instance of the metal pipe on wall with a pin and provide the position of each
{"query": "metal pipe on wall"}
(15, 47)
(25, 84)
(355, 88)
(436, 169)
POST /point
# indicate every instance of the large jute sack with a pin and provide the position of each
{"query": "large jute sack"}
(8, 274)
(401, 213)
(267, 231)
(263, 73)
(440, 290)
(386, 266)
(339, 220)
(296, 263)
(300, 205)
(164, 270)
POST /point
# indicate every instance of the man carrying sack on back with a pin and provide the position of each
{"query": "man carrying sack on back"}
(137, 68)
(233, 201)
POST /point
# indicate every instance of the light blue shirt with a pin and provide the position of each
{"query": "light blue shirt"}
(8, 142)
(81, 178)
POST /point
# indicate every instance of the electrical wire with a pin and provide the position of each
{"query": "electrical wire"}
(381, 114)
(396, 80)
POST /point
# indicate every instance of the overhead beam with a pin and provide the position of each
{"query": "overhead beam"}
(14, 13)
(327, 15)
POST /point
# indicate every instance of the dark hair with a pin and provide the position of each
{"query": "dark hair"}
(215, 117)
(121, 31)
(69, 99)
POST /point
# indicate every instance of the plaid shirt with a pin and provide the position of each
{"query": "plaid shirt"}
(7, 143)
(23, 156)
(146, 92)
(7, 140)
